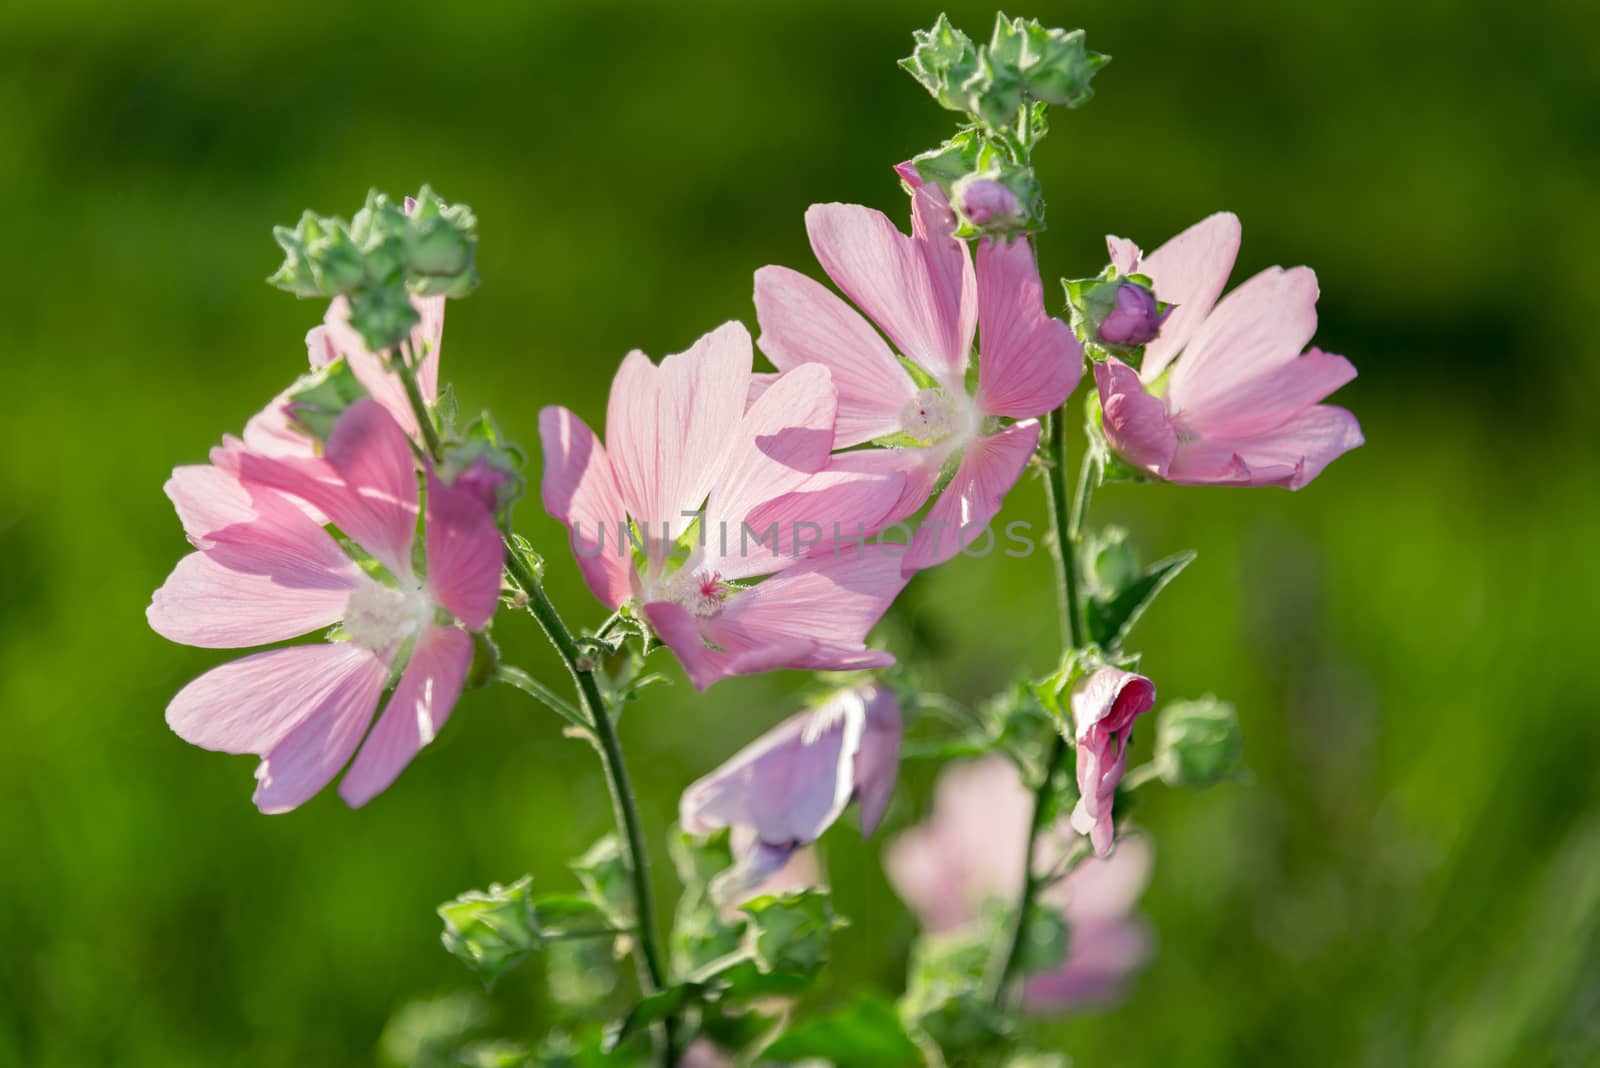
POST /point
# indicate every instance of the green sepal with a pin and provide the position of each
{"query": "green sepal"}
(603, 871)
(1198, 743)
(494, 930)
(867, 1031)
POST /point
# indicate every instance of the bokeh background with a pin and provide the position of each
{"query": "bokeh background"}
(1409, 877)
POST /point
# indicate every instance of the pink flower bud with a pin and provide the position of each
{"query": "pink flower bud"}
(1135, 319)
(1104, 707)
(984, 201)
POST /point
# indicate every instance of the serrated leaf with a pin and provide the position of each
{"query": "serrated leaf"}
(790, 932)
(1110, 619)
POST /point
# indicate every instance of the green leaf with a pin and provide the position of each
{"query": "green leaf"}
(427, 1033)
(1112, 615)
(580, 972)
(655, 1008)
(791, 932)
(865, 1032)
(603, 871)
(946, 998)
(1198, 743)
(494, 930)
(701, 933)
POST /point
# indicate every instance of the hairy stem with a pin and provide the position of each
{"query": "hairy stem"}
(1067, 520)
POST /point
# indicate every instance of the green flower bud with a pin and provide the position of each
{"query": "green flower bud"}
(319, 398)
(441, 241)
(382, 315)
(1198, 743)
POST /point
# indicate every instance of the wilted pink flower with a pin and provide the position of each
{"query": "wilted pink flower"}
(1226, 395)
(970, 849)
(1104, 707)
(265, 571)
(790, 785)
(924, 294)
(686, 446)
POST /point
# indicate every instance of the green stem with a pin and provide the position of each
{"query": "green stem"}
(592, 705)
(1067, 520)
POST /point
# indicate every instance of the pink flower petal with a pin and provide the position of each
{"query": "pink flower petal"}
(205, 604)
(1028, 362)
(668, 427)
(366, 484)
(1289, 455)
(784, 439)
(1261, 325)
(1135, 423)
(680, 632)
(1269, 399)
(887, 275)
(851, 500)
(1189, 271)
(580, 490)
(371, 369)
(417, 711)
(249, 705)
(989, 468)
(803, 322)
(310, 754)
(1124, 254)
(954, 287)
(465, 554)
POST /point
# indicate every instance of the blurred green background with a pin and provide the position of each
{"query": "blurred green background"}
(1410, 877)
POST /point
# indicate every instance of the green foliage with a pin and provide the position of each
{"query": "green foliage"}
(790, 933)
(1198, 743)
(319, 397)
(946, 998)
(1120, 591)
(494, 930)
(867, 1031)
(701, 933)
(1045, 948)
(603, 871)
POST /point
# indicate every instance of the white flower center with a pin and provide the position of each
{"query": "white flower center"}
(934, 415)
(699, 592)
(380, 618)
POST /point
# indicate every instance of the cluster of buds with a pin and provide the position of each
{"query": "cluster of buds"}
(386, 254)
(1005, 88)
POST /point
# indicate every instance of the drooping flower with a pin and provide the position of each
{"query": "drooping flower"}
(1227, 394)
(923, 292)
(700, 489)
(781, 792)
(265, 571)
(970, 849)
(1104, 706)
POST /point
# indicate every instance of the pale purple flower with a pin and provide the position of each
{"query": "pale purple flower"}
(970, 849)
(1227, 394)
(1104, 706)
(781, 792)
(265, 570)
(698, 442)
(923, 292)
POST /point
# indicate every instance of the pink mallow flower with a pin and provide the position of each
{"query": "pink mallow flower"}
(781, 792)
(924, 294)
(1227, 394)
(970, 850)
(265, 571)
(1104, 706)
(702, 486)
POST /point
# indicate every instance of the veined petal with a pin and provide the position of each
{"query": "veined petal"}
(1189, 271)
(680, 632)
(668, 427)
(580, 490)
(989, 468)
(784, 439)
(366, 483)
(248, 705)
(1269, 399)
(1124, 254)
(417, 711)
(205, 604)
(1289, 455)
(465, 554)
(1028, 362)
(1261, 325)
(371, 369)
(310, 754)
(950, 273)
(804, 322)
(887, 275)
(1135, 423)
